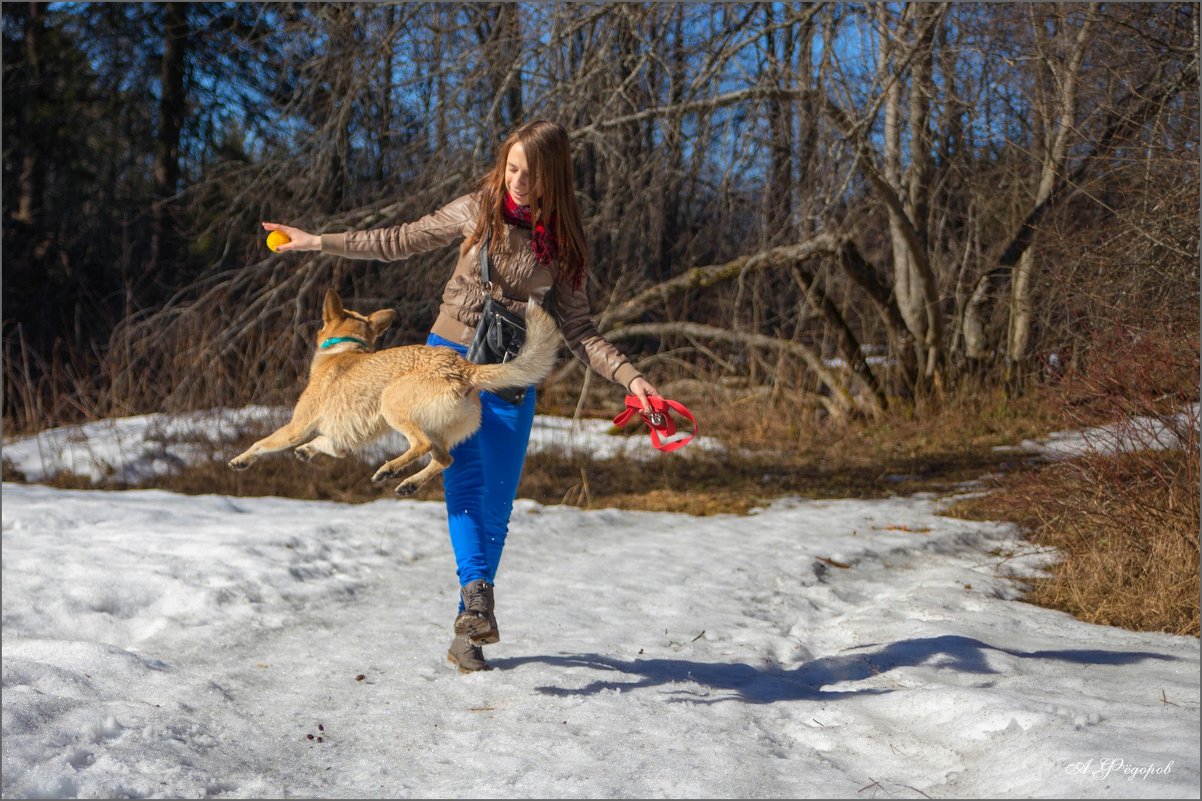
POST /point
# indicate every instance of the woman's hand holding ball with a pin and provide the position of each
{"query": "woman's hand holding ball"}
(285, 238)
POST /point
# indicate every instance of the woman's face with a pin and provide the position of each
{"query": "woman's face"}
(517, 175)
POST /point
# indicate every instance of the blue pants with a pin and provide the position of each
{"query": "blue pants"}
(483, 480)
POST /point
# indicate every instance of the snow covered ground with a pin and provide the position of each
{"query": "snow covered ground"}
(159, 645)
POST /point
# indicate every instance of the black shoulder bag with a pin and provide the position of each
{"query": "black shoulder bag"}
(500, 334)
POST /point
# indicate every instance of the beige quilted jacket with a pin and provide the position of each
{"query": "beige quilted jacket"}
(516, 276)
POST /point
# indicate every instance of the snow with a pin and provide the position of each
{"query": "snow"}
(133, 449)
(160, 645)
(1137, 433)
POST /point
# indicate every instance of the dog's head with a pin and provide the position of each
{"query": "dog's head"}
(339, 322)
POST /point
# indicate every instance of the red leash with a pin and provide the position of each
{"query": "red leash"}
(659, 421)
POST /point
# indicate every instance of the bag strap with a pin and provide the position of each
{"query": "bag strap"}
(484, 263)
(659, 421)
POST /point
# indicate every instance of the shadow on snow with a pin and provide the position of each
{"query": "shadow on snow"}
(770, 683)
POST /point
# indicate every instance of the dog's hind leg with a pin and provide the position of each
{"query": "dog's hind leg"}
(439, 460)
(320, 444)
(419, 446)
(288, 436)
(421, 409)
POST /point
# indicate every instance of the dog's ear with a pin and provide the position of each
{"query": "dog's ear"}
(331, 310)
(381, 320)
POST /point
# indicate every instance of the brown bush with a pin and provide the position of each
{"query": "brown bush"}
(1125, 524)
(1126, 529)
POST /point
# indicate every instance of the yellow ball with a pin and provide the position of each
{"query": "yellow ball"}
(275, 239)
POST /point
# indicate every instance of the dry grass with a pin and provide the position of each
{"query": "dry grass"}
(1126, 528)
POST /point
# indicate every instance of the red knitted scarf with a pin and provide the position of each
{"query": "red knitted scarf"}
(542, 240)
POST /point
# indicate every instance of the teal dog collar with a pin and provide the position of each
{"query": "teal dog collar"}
(332, 341)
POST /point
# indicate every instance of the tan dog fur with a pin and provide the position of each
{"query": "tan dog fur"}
(428, 394)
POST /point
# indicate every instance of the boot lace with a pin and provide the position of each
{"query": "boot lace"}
(475, 597)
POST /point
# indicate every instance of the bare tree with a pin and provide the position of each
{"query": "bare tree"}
(1057, 120)
(767, 205)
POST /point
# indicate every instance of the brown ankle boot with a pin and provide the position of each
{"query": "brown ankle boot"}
(477, 621)
(468, 657)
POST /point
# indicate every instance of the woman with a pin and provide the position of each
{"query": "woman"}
(525, 210)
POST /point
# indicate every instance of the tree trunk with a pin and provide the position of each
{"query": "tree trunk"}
(30, 182)
(670, 208)
(778, 202)
(173, 103)
(849, 343)
(922, 95)
(1055, 164)
(864, 276)
(386, 126)
(906, 289)
(511, 39)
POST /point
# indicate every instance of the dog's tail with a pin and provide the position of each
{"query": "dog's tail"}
(533, 362)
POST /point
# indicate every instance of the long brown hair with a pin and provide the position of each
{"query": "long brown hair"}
(553, 196)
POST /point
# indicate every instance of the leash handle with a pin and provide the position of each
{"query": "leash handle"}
(659, 421)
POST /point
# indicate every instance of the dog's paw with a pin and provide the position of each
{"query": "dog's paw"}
(239, 463)
(382, 475)
(405, 490)
(305, 453)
